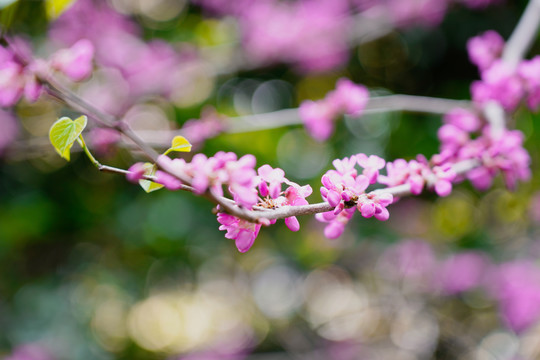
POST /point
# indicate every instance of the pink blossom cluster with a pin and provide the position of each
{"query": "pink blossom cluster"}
(344, 189)
(212, 173)
(319, 116)
(270, 183)
(417, 174)
(247, 186)
(414, 260)
(501, 81)
(514, 285)
(18, 78)
(309, 33)
(463, 137)
(306, 33)
(131, 67)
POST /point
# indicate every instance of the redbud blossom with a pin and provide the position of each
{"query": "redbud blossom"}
(319, 116)
(135, 172)
(484, 49)
(76, 61)
(241, 231)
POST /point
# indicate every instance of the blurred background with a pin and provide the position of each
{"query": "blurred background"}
(92, 267)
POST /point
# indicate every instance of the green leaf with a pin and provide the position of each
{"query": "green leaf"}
(6, 3)
(64, 132)
(8, 9)
(179, 143)
(147, 185)
(55, 8)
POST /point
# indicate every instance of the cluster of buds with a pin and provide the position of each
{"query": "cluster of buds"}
(501, 81)
(249, 188)
(499, 150)
(345, 190)
(417, 174)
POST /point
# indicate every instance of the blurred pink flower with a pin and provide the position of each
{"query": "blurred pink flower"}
(319, 116)
(516, 285)
(76, 61)
(30, 352)
(411, 259)
(461, 272)
(484, 49)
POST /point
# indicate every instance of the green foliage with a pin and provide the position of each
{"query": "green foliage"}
(179, 143)
(64, 132)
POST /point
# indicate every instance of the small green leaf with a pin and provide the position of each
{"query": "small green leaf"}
(64, 132)
(179, 143)
(147, 185)
(55, 8)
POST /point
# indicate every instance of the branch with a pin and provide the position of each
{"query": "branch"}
(239, 124)
(524, 34)
(460, 168)
(422, 104)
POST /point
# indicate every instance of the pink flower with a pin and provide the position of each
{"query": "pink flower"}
(374, 204)
(461, 272)
(75, 62)
(481, 178)
(241, 231)
(11, 83)
(274, 177)
(242, 180)
(529, 71)
(308, 34)
(400, 172)
(342, 184)
(516, 286)
(318, 118)
(371, 165)
(445, 175)
(336, 223)
(295, 195)
(170, 182)
(501, 83)
(484, 49)
(135, 172)
(349, 97)
(463, 119)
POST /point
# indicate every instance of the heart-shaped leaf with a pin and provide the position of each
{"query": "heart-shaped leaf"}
(179, 143)
(147, 185)
(64, 132)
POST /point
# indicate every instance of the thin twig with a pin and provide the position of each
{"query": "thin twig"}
(524, 34)
(412, 103)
